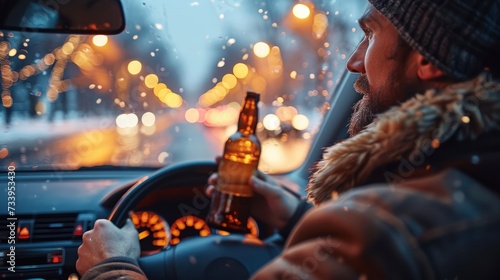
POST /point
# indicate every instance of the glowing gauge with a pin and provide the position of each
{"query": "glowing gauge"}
(251, 225)
(188, 226)
(154, 232)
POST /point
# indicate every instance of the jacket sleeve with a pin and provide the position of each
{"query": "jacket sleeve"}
(355, 237)
(122, 268)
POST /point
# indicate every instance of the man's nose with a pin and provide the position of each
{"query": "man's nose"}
(356, 62)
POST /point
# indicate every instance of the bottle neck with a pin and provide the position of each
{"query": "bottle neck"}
(249, 117)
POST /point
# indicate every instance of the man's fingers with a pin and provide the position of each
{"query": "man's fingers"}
(102, 223)
(218, 159)
(263, 188)
(129, 225)
(209, 190)
(212, 179)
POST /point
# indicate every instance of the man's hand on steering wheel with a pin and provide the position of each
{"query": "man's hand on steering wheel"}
(105, 241)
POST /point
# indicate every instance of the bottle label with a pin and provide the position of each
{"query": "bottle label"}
(233, 177)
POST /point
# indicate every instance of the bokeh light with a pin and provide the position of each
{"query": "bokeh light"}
(172, 100)
(301, 11)
(7, 101)
(320, 25)
(159, 87)
(127, 120)
(271, 122)
(230, 79)
(134, 67)
(286, 113)
(4, 152)
(151, 80)
(100, 40)
(192, 115)
(261, 49)
(240, 70)
(148, 119)
(300, 122)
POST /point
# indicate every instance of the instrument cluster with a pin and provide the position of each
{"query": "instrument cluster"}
(157, 232)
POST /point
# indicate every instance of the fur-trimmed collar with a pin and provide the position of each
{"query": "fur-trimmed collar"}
(461, 112)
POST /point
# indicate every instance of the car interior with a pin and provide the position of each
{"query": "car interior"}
(54, 206)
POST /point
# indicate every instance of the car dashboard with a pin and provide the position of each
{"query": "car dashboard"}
(168, 216)
(54, 209)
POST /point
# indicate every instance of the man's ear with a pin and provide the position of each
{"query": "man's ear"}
(426, 70)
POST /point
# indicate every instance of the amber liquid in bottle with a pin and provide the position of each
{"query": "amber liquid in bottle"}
(230, 207)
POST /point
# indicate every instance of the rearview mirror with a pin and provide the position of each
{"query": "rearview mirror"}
(62, 16)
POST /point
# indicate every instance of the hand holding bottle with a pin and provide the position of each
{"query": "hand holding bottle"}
(271, 203)
(235, 190)
(231, 199)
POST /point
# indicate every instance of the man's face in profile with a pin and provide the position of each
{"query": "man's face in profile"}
(382, 59)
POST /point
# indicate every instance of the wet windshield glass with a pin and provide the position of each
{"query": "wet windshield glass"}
(169, 87)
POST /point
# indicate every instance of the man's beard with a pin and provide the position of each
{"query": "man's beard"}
(377, 101)
(362, 113)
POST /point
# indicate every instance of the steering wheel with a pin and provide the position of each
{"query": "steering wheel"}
(212, 257)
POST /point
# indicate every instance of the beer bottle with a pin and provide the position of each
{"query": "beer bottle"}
(230, 206)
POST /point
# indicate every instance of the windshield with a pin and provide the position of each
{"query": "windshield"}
(169, 88)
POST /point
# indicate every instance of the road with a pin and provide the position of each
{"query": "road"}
(94, 141)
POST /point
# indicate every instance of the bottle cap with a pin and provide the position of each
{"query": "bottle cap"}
(254, 95)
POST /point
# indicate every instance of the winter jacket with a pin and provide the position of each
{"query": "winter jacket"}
(414, 196)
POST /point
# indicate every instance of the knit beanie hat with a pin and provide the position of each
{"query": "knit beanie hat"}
(460, 37)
